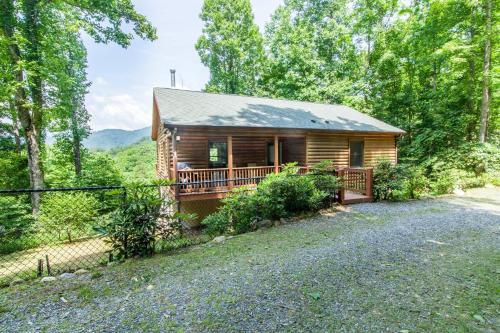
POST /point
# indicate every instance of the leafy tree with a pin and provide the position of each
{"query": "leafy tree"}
(33, 32)
(312, 53)
(71, 119)
(98, 168)
(67, 214)
(230, 46)
(428, 67)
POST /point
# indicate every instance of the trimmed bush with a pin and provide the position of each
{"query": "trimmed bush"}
(286, 193)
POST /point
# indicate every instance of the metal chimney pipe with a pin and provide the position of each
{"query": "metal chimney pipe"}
(172, 78)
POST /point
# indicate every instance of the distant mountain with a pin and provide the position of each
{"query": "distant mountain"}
(114, 138)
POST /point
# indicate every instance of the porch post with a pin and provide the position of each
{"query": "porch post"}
(230, 160)
(369, 183)
(276, 155)
(174, 159)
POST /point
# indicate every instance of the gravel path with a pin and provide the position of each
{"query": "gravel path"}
(426, 265)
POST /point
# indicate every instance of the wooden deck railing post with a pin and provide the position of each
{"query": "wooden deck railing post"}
(230, 160)
(340, 174)
(276, 155)
(369, 183)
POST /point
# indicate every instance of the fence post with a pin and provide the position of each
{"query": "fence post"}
(40, 268)
(340, 174)
(369, 183)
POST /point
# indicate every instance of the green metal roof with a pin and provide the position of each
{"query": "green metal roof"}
(194, 108)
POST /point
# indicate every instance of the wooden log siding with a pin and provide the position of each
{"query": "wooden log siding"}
(162, 158)
(336, 148)
(328, 147)
(294, 150)
(250, 150)
(379, 147)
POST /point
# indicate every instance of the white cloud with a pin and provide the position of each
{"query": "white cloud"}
(100, 81)
(117, 111)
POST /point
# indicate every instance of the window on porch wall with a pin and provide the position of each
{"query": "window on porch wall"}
(217, 154)
(356, 154)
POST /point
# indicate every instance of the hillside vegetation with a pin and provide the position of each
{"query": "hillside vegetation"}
(136, 162)
(115, 138)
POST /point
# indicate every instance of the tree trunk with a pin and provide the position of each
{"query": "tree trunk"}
(15, 127)
(34, 166)
(485, 102)
(76, 141)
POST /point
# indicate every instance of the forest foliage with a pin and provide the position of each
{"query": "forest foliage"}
(429, 67)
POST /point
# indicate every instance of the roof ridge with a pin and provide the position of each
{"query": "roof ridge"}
(252, 96)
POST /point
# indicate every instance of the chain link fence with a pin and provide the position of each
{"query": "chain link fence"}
(62, 237)
(65, 235)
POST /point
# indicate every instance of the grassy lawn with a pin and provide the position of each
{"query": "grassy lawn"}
(429, 266)
(62, 257)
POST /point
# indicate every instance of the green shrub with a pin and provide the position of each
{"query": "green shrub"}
(415, 183)
(238, 214)
(216, 223)
(446, 181)
(132, 227)
(387, 178)
(285, 194)
(67, 214)
(242, 210)
(278, 195)
(492, 178)
(322, 176)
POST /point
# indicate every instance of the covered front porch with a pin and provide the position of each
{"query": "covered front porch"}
(216, 165)
(209, 167)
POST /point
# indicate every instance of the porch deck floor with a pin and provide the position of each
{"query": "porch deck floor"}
(353, 197)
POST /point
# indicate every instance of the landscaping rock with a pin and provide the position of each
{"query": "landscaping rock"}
(265, 224)
(458, 192)
(46, 279)
(282, 221)
(16, 281)
(66, 276)
(81, 272)
(219, 239)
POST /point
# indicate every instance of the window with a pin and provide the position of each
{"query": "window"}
(217, 154)
(356, 149)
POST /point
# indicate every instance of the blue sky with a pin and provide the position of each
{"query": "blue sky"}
(121, 93)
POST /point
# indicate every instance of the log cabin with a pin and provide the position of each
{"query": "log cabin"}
(210, 143)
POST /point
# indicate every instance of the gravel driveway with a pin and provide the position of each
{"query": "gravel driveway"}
(429, 265)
